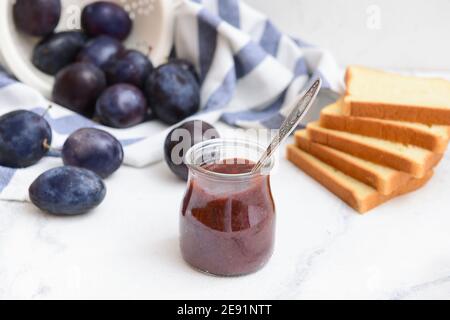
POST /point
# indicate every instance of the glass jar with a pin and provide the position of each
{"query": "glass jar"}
(227, 223)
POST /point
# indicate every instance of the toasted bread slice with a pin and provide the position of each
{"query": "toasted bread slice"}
(356, 194)
(410, 159)
(434, 138)
(385, 180)
(376, 94)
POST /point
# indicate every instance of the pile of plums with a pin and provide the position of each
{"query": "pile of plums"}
(88, 154)
(96, 76)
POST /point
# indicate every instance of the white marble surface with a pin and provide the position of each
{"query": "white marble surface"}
(381, 33)
(128, 247)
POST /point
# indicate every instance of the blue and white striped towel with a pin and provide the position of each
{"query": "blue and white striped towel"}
(250, 72)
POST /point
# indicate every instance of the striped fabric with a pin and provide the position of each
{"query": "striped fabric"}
(249, 70)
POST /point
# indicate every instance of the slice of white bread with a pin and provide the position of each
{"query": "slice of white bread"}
(385, 180)
(410, 159)
(434, 138)
(356, 194)
(378, 94)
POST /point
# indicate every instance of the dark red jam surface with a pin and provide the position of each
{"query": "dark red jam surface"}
(227, 226)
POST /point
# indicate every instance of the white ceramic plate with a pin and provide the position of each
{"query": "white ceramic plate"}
(152, 28)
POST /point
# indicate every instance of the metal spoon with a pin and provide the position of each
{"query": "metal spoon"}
(300, 108)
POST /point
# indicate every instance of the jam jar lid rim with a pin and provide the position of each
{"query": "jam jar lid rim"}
(198, 168)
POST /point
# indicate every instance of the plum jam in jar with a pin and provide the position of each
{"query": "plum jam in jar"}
(227, 224)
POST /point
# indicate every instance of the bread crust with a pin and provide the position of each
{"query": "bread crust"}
(344, 163)
(392, 111)
(385, 130)
(349, 196)
(373, 153)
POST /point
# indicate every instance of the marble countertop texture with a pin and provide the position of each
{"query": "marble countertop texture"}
(400, 34)
(128, 247)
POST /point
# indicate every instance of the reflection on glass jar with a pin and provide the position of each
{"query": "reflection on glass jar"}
(227, 224)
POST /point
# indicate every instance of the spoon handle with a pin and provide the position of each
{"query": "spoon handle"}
(301, 106)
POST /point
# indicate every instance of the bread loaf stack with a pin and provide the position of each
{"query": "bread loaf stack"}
(379, 141)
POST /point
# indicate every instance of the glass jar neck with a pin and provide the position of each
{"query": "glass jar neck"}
(226, 160)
